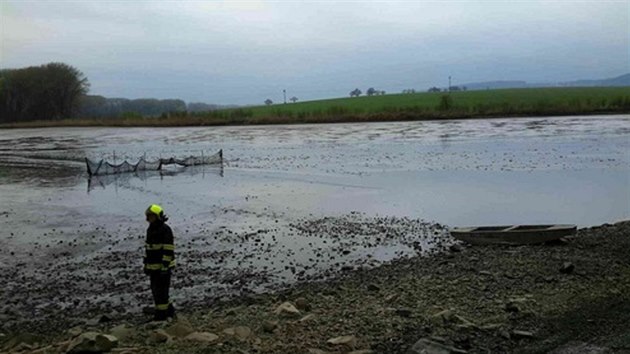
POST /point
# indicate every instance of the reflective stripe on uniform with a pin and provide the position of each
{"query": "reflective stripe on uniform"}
(161, 307)
(153, 266)
(159, 246)
(153, 246)
(167, 258)
(170, 265)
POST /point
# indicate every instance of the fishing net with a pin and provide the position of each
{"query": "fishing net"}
(124, 180)
(103, 167)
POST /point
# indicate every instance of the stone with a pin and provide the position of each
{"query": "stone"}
(98, 320)
(302, 304)
(92, 342)
(567, 268)
(75, 331)
(316, 351)
(270, 326)
(287, 309)
(512, 306)
(240, 332)
(26, 338)
(62, 347)
(463, 321)
(350, 341)
(106, 341)
(43, 350)
(491, 327)
(160, 336)
(505, 334)
(373, 287)
(581, 347)
(522, 334)
(438, 339)
(307, 317)
(391, 297)
(231, 311)
(363, 351)
(122, 332)
(180, 329)
(456, 248)
(428, 346)
(22, 347)
(442, 317)
(404, 312)
(202, 337)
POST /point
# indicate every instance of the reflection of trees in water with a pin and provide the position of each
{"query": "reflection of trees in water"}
(124, 179)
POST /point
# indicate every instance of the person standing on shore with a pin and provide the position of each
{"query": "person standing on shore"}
(159, 261)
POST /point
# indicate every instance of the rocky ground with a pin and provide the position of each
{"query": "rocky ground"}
(565, 297)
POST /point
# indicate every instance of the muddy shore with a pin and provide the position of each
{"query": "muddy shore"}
(563, 297)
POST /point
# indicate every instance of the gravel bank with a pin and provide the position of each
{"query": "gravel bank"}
(562, 297)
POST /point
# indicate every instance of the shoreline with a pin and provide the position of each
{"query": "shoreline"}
(468, 299)
(182, 122)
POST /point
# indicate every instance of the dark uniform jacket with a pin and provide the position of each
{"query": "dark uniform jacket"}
(160, 250)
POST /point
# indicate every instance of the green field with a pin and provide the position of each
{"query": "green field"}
(423, 106)
(394, 107)
(467, 103)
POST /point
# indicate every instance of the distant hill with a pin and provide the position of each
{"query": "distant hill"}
(488, 85)
(622, 80)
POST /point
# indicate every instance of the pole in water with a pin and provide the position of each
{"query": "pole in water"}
(114, 157)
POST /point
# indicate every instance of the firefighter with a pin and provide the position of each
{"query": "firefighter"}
(159, 261)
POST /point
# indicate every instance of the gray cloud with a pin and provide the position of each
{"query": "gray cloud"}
(246, 51)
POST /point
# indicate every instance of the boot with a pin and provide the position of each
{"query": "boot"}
(160, 315)
(171, 312)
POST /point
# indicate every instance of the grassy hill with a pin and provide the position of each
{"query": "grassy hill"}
(394, 107)
(466, 101)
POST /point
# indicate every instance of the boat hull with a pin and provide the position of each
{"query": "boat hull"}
(513, 235)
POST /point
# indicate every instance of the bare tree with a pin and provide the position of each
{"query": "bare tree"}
(293, 99)
(268, 102)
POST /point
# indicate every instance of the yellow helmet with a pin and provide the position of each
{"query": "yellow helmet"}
(155, 209)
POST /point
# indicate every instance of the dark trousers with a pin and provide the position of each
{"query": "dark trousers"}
(160, 284)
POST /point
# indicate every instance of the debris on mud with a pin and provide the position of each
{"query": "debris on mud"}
(443, 302)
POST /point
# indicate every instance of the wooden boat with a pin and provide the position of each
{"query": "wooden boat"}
(513, 234)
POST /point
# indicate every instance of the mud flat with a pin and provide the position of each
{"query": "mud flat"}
(562, 297)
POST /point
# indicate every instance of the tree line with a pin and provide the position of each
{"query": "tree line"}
(47, 92)
(102, 107)
(59, 91)
(370, 92)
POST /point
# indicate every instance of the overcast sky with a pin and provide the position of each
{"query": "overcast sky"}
(243, 52)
